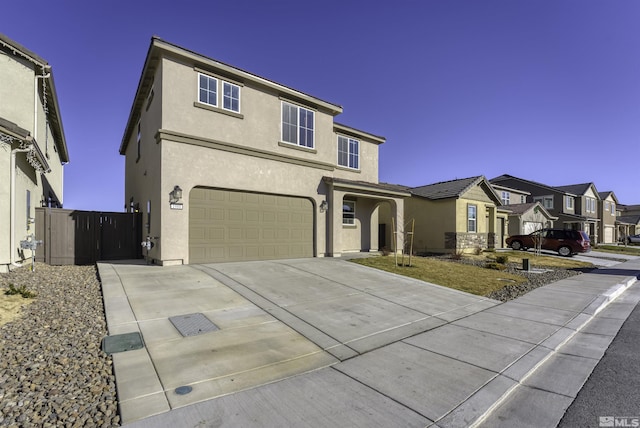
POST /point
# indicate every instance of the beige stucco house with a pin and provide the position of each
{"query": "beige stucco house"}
(227, 165)
(33, 149)
(457, 215)
(528, 217)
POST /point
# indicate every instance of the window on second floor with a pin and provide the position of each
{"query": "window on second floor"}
(613, 208)
(590, 205)
(506, 196)
(348, 152)
(569, 202)
(472, 218)
(297, 125)
(208, 93)
(546, 201)
(208, 90)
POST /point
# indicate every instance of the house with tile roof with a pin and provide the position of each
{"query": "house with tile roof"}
(575, 206)
(456, 215)
(34, 149)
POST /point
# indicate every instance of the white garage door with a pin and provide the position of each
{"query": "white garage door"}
(531, 226)
(608, 235)
(227, 225)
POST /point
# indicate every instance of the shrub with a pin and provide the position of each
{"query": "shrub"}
(477, 250)
(457, 254)
(502, 259)
(495, 266)
(22, 290)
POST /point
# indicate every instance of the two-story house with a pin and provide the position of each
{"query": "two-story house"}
(607, 211)
(574, 206)
(226, 165)
(33, 144)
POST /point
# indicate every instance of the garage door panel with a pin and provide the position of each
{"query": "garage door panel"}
(232, 226)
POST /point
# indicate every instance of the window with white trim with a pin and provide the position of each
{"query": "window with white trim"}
(590, 205)
(348, 152)
(472, 218)
(230, 97)
(208, 90)
(506, 197)
(210, 87)
(613, 208)
(349, 213)
(569, 202)
(297, 125)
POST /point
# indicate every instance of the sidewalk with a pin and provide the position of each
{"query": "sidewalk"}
(449, 369)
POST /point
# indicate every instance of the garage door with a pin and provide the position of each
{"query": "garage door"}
(531, 226)
(227, 225)
(608, 235)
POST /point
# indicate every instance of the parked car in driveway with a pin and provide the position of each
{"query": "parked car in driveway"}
(635, 239)
(565, 242)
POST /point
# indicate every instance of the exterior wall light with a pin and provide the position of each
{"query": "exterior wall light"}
(175, 195)
(175, 198)
(324, 205)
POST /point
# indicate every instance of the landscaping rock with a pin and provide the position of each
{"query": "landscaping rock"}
(52, 369)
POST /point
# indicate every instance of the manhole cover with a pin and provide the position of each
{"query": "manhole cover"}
(192, 324)
(122, 342)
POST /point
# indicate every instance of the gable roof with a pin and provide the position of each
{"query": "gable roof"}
(519, 209)
(505, 177)
(628, 219)
(454, 189)
(605, 195)
(578, 189)
(53, 109)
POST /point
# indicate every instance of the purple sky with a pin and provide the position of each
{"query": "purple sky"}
(545, 90)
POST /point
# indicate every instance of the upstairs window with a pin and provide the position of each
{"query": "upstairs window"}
(297, 125)
(208, 90)
(613, 208)
(506, 197)
(546, 201)
(590, 205)
(349, 213)
(230, 97)
(348, 152)
(569, 202)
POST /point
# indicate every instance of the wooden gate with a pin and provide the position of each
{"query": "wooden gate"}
(72, 237)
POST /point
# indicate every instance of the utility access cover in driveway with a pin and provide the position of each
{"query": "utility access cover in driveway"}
(192, 324)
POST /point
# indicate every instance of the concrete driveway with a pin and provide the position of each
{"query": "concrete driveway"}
(325, 342)
(275, 319)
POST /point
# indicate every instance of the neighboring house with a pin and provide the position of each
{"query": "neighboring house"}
(528, 217)
(575, 206)
(627, 220)
(33, 146)
(586, 202)
(227, 165)
(607, 211)
(456, 215)
(509, 196)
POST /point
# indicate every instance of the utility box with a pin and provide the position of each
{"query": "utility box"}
(525, 264)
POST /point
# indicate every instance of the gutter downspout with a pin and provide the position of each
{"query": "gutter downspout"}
(35, 101)
(12, 204)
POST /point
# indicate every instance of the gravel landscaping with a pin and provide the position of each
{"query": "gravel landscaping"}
(534, 279)
(52, 370)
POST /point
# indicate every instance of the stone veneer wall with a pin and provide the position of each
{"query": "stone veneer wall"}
(462, 241)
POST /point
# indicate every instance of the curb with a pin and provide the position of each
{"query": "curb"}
(561, 336)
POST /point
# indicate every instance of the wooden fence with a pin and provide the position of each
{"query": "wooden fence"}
(72, 237)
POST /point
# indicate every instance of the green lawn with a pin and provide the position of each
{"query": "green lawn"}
(470, 279)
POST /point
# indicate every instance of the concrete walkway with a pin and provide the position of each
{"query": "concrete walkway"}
(325, 342)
